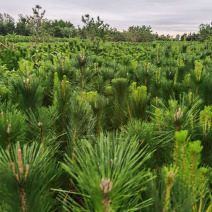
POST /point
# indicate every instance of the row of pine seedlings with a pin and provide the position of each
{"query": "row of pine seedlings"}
(106, 127)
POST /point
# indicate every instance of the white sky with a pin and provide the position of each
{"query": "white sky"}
(164, 16)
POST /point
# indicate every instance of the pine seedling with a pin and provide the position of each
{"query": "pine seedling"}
(155, 86)
(199, 70)
(194, 150)
(62, 95)
(158, 118)
(12, 126)
(26, 177)
(158, 76)
(144, 74)
(97, 105)
(79, 121)
(205, 120)
(170, 119)
(186, 188)
(198, 75)
(82, 58)
(21, 178)
(191, 179)
(41, 125)
(177, 116)
(206, 89)
(26, 67)
(27, 93)
(180, 71)
(99, 174)
(180, 149)
(138, 99)
(120, 93)
(169, 183)
(80, 63)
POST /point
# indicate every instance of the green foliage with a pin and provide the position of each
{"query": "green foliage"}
(11, 125)
(26, 177)
(139, 34)
(170, 119)
(99, 170)
(97, 104)
(183, 185)
(205, 31)
(41, 126)
(7, 24)
(138, 100)
(106, 105)
(59, 28)
(120, 93)
(26, 92)
(62, 95)
(205, 120)
(191, 179)
(93, 29)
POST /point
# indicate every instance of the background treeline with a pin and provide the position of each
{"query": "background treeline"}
(36, 25)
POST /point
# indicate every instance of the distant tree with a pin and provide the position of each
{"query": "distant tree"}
(163, 38)
(93, 28)
(37, 18)
(192, 37)
(7, 24)
(168, 36)
(68, 32)
(3, 30)
(205, 31)
(59, 28)
(62, 23)
(177, 37)
(21, 26)
(6, 18)
(35, 22)
(115, 35)
(155, 36)
(139, 34)
(183, 37)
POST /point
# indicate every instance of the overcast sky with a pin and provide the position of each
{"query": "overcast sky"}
(164, 16)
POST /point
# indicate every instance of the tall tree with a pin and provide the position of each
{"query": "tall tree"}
(205, 31)
(94, 28)
(35, 21)
(37, 17)
(139, 34)
(59, 28)
(7, 24)
(22, 26)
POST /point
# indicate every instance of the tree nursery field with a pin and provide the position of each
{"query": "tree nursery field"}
(91, 125)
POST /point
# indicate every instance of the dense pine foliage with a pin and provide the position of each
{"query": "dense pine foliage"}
(105, 126)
